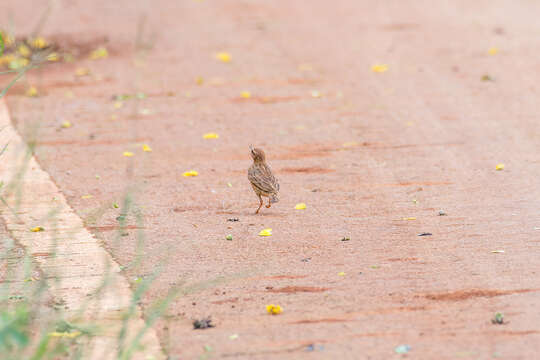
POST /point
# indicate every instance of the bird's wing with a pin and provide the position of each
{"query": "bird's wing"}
(262, 178)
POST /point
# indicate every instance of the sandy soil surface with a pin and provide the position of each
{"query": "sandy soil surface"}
(374, 156)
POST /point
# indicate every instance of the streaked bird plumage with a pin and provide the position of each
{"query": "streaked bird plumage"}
(262, 180)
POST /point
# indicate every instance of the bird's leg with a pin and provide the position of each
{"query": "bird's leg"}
(260, 204)
(267, 206)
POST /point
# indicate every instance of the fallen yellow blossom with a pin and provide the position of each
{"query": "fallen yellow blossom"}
(274, 309)
(99, 53)
(224, 57)
(24, 50)
(190, 173)
(300, 206)
(37, 229)
(32, 91)
(52, 57)
(350, 144)
(316, 94)
(210, 136)
(493, 51)
(127, 153)
(409, 218)
(342, 273)
(65, 334)
(245, 94)
(66, 124)
(266, 232)
(499, 167)
(379, 68)
(146, 148)
(82, 71)
(6, 59)
(39, 42)
(18, 63)
(87, 197)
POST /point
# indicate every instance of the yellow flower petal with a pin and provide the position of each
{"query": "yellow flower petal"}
(99, 53)
(190, 173)
(224, 57)
(118, 104)
(316, 94)
(146, 148)
(65, 334)
(18, 63)
(350, 144)
(245, 94)
(210, 136)
(82, 71)
(39, 42)
(66, 124)
(37, 229)
(24, 50)
(409, 218)
(379, 68)
(499, 167)
(266, 232)
(305, 67)
(128, 153)
(300, 206)
(32, 91)
(199, 80)
(274, 309)
(52, 57)
(493, 51)
(341, 273)
(6, 59)
(86, 197)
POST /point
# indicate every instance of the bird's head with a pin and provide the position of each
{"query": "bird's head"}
(257, 154)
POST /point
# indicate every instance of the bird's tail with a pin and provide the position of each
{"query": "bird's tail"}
(274, 198)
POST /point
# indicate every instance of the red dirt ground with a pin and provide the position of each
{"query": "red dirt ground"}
(423, 136)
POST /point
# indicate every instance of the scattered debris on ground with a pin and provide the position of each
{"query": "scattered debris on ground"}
(203, 323)
(498, 319)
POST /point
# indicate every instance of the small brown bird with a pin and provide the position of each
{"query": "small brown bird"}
(261, 178)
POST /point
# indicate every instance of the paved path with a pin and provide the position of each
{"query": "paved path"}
(74, 262)
(363, 150)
